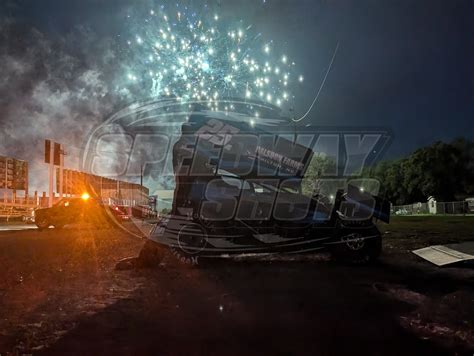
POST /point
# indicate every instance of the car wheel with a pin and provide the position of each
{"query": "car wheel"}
(192, 239)
(42, 223)
(356, 244)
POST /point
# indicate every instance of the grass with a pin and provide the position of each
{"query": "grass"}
(406, 233)
(462, 225)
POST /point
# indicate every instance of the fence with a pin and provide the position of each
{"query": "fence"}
(12, 206)
(435, 208)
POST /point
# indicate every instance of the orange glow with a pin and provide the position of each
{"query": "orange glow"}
(85, 196)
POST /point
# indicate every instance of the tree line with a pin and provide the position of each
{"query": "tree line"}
(442, 170)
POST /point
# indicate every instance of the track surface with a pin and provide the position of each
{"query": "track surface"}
(60, 294)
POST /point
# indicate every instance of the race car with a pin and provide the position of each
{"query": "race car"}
(239, 191)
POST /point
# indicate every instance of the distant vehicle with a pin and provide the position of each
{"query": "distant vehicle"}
(30, 218)
(119, 213)
(73, 210)
(402, 212)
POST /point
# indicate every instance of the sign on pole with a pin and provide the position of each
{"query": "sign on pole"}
(53, 155)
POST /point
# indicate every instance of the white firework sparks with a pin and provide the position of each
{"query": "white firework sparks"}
(194, 58)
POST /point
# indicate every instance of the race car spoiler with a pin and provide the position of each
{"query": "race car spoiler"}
(246, 151)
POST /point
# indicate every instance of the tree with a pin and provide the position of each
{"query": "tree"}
(319, 166)
(444, 171)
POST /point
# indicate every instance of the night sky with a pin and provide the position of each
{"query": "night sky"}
(404, 65)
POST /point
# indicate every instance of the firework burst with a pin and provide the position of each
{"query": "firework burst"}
(206, 59)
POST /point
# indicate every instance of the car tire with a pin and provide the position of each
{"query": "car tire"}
(356, 244)
(192, 239)
(42, 223)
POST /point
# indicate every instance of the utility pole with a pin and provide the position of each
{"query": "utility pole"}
(61, 170)
(6, 174)
(53, 157)
(51, 172)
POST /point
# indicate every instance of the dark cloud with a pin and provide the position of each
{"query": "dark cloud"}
(56, 90)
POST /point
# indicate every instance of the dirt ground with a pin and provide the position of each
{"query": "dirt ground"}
(60, 294)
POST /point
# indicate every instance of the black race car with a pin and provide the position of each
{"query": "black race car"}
(239, 191)
(77, 210)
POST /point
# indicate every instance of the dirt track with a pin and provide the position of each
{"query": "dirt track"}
(59, 293)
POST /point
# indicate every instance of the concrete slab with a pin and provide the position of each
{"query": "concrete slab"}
(442, 255)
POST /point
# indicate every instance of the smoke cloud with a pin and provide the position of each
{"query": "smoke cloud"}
(54, 88)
